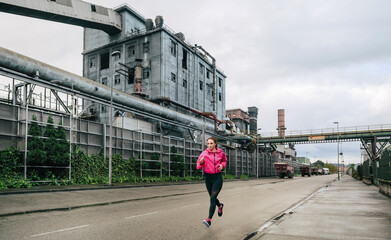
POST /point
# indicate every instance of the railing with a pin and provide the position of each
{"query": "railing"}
(331, 131)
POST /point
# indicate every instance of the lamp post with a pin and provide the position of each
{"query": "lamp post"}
(337, 147)
(113, 54)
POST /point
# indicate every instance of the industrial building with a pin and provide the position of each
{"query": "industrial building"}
(150, 61)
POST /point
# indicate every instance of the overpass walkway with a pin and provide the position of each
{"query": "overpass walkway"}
(374, 138)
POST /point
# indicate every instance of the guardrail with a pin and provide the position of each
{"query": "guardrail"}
(331, 131)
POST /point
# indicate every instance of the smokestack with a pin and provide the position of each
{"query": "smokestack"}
(281, 123)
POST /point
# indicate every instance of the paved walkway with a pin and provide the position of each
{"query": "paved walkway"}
(347, 209)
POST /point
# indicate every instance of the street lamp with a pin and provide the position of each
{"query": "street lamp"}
(113, 54)
(337, 147)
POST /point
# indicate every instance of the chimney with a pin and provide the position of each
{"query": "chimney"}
(281, 123)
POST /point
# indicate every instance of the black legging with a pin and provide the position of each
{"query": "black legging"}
(214, 183)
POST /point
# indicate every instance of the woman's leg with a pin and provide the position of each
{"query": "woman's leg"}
(215, 190)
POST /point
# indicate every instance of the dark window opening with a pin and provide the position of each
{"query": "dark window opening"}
(104, 81)
(146, 47)
(184, 83)
(145, 73)
(103, 108)
(220, 97)
(201, 69)
(104, 60)
(117, 79)
(173, 48)
(92, 62)
(184, 59)
(201, 85)
(131, 51)
(173, 77)
(131, 76)
(93, 8)
(220, 82)
(207, 73)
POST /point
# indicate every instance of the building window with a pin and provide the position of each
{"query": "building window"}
(146, 47)
(131, 51)
(220, 82)
(117, 79)
(184, 59)
(92, 62)
(131, 76)
(103, 108)
(104, 81)
(220, 97)
(184, 83)
(209, 88)
(207, 73)
(145, 73)
(93, 8)
(173, 48)
(104, 60)
(201, 85)
(201, 69)
(173, 77)
(117, 56)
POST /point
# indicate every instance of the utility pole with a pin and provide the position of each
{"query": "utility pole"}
(337, 148)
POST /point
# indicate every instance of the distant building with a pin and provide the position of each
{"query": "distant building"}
(304, 160)
(284, 152)
(240, 118)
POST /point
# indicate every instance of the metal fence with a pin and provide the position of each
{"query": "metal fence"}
(154, 154)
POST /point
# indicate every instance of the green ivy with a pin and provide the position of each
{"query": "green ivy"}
(11, 175)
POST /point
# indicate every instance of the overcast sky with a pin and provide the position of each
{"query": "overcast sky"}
(322, 61)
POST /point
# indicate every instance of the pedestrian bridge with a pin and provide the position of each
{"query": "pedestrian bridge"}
(378, 136)
(346, 134)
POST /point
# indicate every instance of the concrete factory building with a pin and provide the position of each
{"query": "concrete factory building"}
(151, 61)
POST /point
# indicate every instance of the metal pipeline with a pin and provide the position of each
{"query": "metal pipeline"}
(23, 64)
(209, 115)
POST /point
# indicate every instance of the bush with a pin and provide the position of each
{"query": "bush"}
(11, 174)
(244, 176)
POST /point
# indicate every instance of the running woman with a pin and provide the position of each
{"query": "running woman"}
(213, 160)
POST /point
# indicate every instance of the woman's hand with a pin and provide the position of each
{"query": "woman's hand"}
(220, 167)
(202, 160)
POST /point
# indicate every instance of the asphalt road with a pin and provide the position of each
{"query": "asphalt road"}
(248, 205)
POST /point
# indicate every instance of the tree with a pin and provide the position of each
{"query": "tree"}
(331, 167)
(318, 164)
(36, 146)
(51, 145)
(57, 147)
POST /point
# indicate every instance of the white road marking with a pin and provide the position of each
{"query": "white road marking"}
(190, 205)
(62, 230)
(141, 215)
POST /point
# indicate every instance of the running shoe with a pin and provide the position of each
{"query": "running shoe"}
(207, 222)
(220, 210)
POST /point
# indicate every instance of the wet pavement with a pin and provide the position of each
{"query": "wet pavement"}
(346, 209)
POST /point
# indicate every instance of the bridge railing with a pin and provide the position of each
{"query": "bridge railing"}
(331, 131)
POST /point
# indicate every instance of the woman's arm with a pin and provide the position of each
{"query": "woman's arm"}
(200, 162)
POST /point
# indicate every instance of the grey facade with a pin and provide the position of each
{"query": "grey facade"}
(171, 68)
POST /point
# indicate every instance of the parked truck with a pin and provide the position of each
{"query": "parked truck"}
(305, 170)
(314, 171)
(283, 169)
(326, 171)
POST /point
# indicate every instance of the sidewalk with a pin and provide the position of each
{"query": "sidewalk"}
(347, 209)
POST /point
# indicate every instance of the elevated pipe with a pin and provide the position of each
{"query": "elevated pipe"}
(23, 64)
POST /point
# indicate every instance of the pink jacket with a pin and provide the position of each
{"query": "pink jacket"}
(212, 160)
